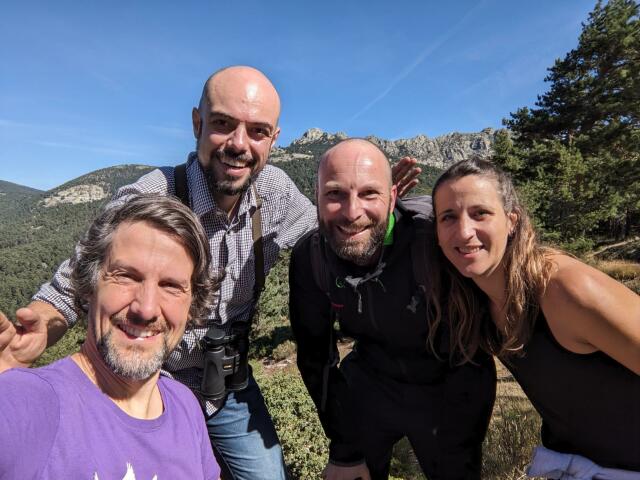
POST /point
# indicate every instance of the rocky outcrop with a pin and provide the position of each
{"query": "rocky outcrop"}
(85, 193)
(438, 152)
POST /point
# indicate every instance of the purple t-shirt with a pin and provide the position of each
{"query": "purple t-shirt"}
(55, 423)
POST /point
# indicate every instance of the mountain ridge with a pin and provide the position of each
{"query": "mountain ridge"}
(439, 152)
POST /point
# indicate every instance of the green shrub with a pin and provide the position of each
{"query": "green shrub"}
(68, 344)
(284, 350)
(271, 326)
(578, 246)
(304, 444)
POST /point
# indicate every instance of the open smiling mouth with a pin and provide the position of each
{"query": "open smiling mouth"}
(137, 333)
(235, 165)
(350, 231)
(469, 250)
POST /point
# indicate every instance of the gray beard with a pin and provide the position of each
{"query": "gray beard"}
(354, 252)
(135, 367)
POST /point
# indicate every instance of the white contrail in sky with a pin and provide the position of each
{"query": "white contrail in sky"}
(419, 59)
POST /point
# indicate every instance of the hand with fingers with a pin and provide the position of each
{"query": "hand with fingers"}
(405, 175)
(355, 472)
(21, 343)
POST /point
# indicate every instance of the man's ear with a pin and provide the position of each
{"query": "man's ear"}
(393, 197)
(274, 137)
(196, 122)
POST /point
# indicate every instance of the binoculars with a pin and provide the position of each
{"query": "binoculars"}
(225, 366)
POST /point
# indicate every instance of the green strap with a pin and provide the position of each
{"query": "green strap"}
(388, 237)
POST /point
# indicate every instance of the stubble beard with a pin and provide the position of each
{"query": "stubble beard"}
(131, 365)
(227, 185)
(356, 251)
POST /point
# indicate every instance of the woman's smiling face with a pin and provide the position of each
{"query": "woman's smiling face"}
(472, 225)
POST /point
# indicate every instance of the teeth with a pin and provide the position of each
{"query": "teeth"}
(135, 331)
(234, 164)
(350, 231)
(469, 249)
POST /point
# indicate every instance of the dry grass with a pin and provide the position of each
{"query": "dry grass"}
(624, 271)
(513, 433)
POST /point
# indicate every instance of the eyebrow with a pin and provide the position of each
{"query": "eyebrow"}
(448, 210)
(372, 185)
(226, 116)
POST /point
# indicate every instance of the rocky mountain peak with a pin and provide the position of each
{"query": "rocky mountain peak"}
(438, 152)
(315, 135)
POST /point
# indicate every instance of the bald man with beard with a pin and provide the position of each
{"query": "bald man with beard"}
(227, 180)
(393, 384)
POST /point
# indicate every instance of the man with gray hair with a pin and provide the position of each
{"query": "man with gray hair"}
(142, 272)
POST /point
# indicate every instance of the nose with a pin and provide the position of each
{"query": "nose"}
(466, 227)
(238, 138)
(352, 209)
(145, 304)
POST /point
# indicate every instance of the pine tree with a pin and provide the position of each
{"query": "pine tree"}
(591, 115)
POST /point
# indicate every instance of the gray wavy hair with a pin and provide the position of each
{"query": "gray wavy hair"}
(164, 213)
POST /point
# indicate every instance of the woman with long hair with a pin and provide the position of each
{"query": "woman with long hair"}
(569, 334)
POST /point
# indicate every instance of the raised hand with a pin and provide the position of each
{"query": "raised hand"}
(405, 175)
(21, 343)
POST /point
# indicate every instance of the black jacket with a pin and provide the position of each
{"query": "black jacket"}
(381, 307)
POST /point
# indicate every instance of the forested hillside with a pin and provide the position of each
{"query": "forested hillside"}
(35, 238)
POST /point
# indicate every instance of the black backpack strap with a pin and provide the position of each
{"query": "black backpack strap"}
(258, 246)
(419, 252)
(322, 278)
(180, 183)
(319, 270)
(420, 209)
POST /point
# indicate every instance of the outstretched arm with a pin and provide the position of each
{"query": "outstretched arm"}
(588, 310)
(37, 326)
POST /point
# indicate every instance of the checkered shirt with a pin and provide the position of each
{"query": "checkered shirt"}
(286, 216)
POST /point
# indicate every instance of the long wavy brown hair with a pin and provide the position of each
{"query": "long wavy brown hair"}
(459, 302)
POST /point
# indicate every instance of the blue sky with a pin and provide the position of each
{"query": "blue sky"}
(86, 85)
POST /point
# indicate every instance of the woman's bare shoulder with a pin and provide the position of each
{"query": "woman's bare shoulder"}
(587, 310)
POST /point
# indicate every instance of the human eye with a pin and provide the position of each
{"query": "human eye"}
(446, 217)
(173, 288)
(332, 193)
(259, 132)
(120, 276)
(481, 213)
(370, 194)
(221, 124)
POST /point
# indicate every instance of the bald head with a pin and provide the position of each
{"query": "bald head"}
(235, 126)
(355, 198)
(356, 151)
(242, 82)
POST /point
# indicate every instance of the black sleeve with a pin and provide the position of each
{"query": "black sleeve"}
(310, 314)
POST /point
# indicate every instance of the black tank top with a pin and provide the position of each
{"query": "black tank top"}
(589, 403)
